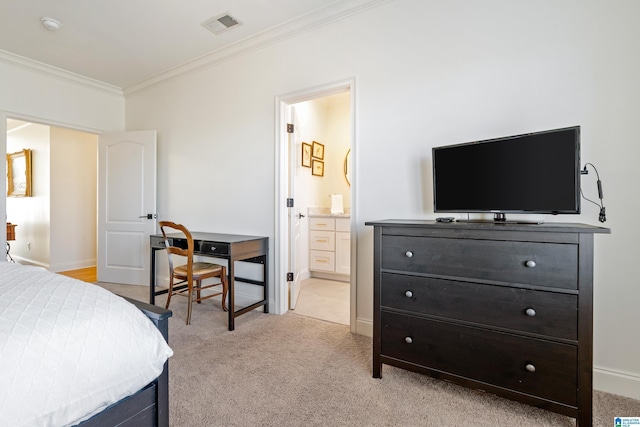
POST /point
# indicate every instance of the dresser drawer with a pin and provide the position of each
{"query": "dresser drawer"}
(545, 313)
(536, 367)
(540, 264)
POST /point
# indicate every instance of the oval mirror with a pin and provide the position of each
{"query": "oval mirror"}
(347, 168)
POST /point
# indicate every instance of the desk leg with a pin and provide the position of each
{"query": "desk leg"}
(266, 283)
(232, 294)
(152, 278)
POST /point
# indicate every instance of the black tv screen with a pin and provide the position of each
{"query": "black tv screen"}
(531, 173)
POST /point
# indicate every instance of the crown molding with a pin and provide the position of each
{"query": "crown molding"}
(51, 71)
(335, 11)
(318, 18)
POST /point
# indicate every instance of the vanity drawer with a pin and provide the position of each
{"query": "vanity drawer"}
(532, 366)
(322, 240)
(322, 261)
(538, 312)
(322, 223)
(540, 264)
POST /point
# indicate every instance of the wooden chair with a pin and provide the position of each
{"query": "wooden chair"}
(191, 272)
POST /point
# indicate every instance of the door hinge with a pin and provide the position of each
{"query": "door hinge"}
(289, 202)
(289, 277)
(289, 127)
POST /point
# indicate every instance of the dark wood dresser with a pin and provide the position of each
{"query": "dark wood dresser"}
(504, 308)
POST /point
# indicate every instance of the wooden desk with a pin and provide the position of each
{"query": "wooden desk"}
(231, 247)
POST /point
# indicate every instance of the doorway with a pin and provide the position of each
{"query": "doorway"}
(323, 123)
(56, 228)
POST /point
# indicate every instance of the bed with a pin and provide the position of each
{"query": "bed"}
(74, 353)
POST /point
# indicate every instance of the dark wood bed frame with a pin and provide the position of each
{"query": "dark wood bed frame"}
(150, 405)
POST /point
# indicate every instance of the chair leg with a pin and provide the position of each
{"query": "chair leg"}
(170, 292)
(190, 298)
(225, 289)
(198, 288)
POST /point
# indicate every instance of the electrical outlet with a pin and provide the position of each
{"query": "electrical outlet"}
(29, 245)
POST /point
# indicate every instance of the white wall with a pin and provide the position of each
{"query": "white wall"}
(327, 121)
(43, 96)
(57, 225)
(74, 172)
(32, 214)
(427, 73)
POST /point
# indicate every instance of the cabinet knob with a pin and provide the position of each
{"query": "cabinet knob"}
(409, 254)
(408, 294)
(530, 263)
(530, 312)
(408, 340)
(530, 367)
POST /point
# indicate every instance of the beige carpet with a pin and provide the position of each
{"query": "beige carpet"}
(292, 370)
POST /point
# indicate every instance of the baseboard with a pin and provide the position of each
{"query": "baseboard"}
(364, 327)
(56, 268)
(620, 383)
(74, 265)
(27, 261)
(331, 276)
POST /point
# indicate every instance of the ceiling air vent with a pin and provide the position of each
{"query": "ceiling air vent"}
(221, 23)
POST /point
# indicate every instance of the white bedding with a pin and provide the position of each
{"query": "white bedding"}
(69, 349)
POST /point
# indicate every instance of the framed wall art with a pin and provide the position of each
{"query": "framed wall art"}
(306, 155)
(19, 174)
(318, 150)
(317, 168)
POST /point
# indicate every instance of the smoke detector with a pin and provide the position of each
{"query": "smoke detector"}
(50, 24)
(220, 23)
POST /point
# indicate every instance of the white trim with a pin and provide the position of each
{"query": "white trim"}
(615, 382)
(335, 11)
(283, 102)
(320, 17)
(51, 71)
(47, 122)
(4, 115)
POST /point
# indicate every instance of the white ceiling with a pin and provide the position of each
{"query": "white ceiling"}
(125, 42)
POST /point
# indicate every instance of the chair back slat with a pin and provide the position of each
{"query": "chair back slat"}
(167, 227)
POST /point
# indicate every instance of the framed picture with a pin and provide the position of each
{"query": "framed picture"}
(19, 174)
(317, 168)
(306, 155)
(318, 150)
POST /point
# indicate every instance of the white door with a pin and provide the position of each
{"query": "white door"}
(126, 205)
(293, 215)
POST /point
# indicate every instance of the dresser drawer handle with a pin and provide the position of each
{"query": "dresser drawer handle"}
(530, 312)
(408, 294)
(409, 254)
(530, 367)
(408, 340)
(530, 263)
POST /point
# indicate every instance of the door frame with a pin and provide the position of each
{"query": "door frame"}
(282, 104)
(4, 115)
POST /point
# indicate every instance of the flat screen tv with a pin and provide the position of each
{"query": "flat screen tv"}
(534, 173)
